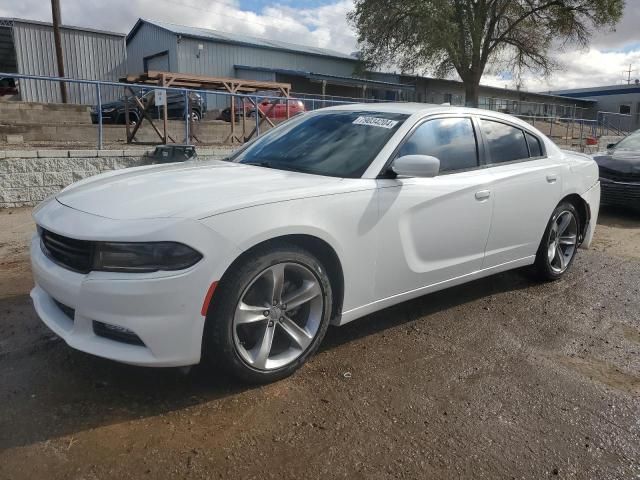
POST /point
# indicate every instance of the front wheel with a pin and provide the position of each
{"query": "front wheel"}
(269, 314)
(559, 243)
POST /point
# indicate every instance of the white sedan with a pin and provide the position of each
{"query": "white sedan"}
(330, 216)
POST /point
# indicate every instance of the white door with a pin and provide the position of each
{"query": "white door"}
(526, 187)
(434, 229)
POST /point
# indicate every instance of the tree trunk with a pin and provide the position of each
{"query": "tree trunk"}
(471, 93)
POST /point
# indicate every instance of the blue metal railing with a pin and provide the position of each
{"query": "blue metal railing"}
(99, 86)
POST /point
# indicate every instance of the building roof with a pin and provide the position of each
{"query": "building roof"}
(332, 79)
(238, 39)
(599, 91)
(9, 22)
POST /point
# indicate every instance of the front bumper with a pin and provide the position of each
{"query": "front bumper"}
(163, 309)
(620, 193)
(592, 197)
(107, 118)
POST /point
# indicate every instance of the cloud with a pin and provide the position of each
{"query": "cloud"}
(325, 25)
(321, 26)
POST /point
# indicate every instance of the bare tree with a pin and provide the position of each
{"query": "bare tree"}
(466, 36)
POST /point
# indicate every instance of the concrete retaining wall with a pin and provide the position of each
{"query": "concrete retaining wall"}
(29, 176)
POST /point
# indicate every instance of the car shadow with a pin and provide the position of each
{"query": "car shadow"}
(619, 217)
(49, 390)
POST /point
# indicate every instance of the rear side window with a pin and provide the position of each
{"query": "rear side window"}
(451, 140)
(506, 143)
(535, 149)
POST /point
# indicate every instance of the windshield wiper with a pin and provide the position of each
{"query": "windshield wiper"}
(264, 164)
(277, 166)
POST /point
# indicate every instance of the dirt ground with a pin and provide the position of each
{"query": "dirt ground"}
(501, 378)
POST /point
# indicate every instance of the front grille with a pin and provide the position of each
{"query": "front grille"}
(76, 255)
(620, 194)
(616, 176)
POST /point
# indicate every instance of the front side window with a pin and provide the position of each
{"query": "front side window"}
(451, 140)
(333, 143)
(506, 143)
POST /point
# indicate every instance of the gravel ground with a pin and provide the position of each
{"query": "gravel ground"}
(501, 378)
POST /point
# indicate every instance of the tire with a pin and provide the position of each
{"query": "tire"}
(235, 338)
(195, 116)
(556, 252)
(133, 119)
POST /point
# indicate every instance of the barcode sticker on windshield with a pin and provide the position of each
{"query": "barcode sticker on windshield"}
(375, 122)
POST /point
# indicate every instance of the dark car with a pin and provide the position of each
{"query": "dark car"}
(620, 172)
(114, 112)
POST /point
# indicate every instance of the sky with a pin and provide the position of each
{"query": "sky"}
(323, 23)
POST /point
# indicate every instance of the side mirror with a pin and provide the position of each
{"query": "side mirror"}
(424, 166)
(611, 146)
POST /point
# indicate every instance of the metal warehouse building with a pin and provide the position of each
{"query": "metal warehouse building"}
(621, 99)
(155, 45)
(311, 71)
(27, 47)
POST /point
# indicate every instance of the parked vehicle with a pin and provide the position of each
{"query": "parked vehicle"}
(272, 109)
(114, 112)
(620, 172)
(8, 86)
(324, 219)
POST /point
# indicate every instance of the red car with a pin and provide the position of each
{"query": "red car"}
(272, 109)
(276, 109)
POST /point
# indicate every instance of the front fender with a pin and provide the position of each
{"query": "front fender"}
(345, 222)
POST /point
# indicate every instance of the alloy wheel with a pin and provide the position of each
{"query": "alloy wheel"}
(278, 316)
(563, 240)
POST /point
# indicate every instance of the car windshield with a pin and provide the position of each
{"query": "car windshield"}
(632, 142)
(332, 143)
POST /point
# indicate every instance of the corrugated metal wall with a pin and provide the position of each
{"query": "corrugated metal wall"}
(150, 40)
(219, 59)
(87, 55)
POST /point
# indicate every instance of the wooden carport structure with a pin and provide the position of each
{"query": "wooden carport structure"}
(232, 86)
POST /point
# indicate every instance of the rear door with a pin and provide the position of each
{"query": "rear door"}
(434, 229)
(526, 186)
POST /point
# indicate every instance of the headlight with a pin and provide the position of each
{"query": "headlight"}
(143, 257)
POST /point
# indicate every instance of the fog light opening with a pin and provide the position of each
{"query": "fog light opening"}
(116, 333)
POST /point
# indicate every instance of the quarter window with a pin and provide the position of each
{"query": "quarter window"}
(506, 143)
(535, 150)
(451, 140)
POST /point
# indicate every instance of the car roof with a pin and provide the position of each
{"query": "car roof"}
(411, 108)
(423, 109)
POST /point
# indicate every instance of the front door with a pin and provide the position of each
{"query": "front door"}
(434, 229)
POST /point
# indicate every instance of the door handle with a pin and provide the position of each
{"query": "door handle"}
(483, 195)
(552, 178)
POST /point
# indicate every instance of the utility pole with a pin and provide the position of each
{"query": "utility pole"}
(629, 72)
(55, 14)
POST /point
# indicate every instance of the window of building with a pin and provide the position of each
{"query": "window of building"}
(625, 109)
(451, 140)
(506, 143)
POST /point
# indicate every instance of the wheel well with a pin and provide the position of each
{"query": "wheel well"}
(583, 211)
(322, 251)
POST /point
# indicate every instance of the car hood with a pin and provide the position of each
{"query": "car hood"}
(619, 161)
(193, 189)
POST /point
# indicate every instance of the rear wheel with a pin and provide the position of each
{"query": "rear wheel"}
(269, 314)
(559, 243)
